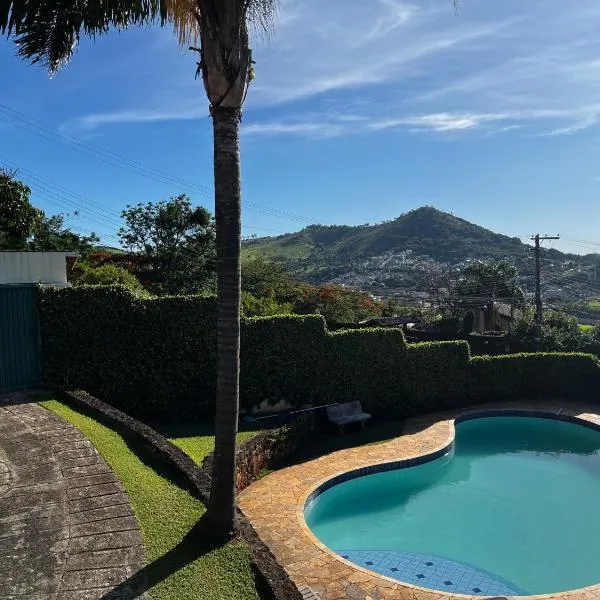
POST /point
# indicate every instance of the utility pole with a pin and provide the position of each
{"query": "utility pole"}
(539, 316)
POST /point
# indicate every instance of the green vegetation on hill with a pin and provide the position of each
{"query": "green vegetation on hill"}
(418, 252)
(321, 252)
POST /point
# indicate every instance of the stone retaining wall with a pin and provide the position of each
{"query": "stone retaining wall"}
(267, 450)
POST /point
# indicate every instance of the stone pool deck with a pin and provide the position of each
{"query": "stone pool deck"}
(275, 507)
(67, 531)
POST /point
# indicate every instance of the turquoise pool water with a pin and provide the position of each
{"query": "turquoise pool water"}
(513, 508)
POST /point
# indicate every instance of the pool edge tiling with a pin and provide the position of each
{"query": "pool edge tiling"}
(275, 504)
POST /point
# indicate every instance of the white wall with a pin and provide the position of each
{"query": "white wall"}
(34, 267)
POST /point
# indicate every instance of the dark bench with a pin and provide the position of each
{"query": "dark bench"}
(348, 412)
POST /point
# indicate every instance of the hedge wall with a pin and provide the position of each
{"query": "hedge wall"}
(513, 376)
(156, 358)
(146, 357)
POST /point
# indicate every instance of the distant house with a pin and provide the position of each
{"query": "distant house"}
(494, 316)
(30, 268)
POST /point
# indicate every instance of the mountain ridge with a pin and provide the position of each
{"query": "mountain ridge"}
(400, 254)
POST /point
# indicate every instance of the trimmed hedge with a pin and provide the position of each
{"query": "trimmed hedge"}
(513, 376)
(437, 376)
(279, 357)
(363, 365)
(156, 358)
(149, 357)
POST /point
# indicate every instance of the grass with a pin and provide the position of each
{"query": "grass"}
(181, 564)
(585, 327)
(197, 439)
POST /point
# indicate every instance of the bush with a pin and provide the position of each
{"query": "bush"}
(279, 357)
(150, 357)
(436, 376)
(516, 376)
(107, 274)
(156, 358)
(362, 364)
(263, 306)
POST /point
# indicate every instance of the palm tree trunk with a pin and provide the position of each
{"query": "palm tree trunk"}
(226, 127)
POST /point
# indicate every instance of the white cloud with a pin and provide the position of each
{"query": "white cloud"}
(96, 120)
(363, 46)
(306, 129)
(576, 126)
(398, 13)
(345, 66)
(438, 121)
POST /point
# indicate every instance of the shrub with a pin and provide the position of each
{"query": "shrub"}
(107, 274)
(516, 376)
(263, 306)
(436, 376)
(362, 364)
(279, 357)
(156, 358)
(151, 357)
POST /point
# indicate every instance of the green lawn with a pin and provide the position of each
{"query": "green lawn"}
(197, 439)
(585, 327)
(183, 564)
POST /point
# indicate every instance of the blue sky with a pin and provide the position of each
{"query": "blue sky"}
(359, 112)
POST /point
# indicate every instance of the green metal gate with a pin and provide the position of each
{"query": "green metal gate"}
(20, 348)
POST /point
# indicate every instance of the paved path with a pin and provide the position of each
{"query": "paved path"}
(67, 531)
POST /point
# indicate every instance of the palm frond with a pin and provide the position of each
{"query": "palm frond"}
(261, 14)
(48, 31)
(184, 14)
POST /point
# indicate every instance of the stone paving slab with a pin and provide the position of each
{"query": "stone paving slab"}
(275, 504)
(67, 531)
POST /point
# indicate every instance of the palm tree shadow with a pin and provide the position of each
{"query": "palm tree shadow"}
(196, 543)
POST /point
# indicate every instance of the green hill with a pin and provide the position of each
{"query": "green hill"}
(323, 252)
(403, 254)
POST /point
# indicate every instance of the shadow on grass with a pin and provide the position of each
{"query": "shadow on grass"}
(201, 428)
(195, 544)
(326, 442)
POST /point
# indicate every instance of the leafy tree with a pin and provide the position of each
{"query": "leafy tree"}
(177, 240)
(560, 332)
(51, 235)
(47, 31)
(261, 277)
(18, 218)
(263, 306)
(336, 303)
(489, 280)
(25, 227)
(107, 275)
(591, 340)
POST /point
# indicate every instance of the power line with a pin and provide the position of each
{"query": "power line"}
(66, 195)
(37, 128)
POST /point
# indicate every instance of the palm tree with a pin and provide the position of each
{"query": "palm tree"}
(47, 32)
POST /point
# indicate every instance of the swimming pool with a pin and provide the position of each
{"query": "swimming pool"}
(511, 509)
